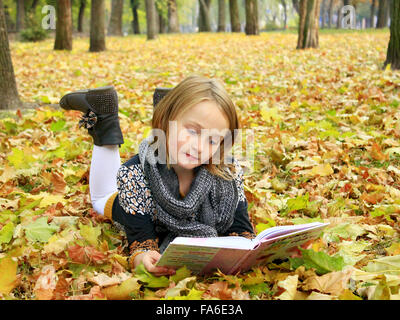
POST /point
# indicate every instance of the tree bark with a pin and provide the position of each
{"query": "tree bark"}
(308, 24)
(135, 21)
(9, 22)
(173, 20)
(151, 19)
(393, 52)
(8, 86)
(82, 6)
(63, 39)
(234, 15)
(221, 16)
(97, 26)
(115, 24)
(161, 24)
(204, 16)
(382, 14)
(20, 21)
(284, 14)
(34, 4)
(251, 27)
(372, 15)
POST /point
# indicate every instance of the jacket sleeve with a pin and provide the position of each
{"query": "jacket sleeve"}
(241, 225)
(132, 210)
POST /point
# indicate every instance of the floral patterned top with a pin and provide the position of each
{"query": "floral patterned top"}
(133, 208)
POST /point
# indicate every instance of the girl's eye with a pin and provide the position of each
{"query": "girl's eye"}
(192, 131)
(213, 142)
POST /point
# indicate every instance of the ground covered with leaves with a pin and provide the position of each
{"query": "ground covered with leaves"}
(326, 127)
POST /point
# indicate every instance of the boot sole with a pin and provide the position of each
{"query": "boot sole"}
(84, 105)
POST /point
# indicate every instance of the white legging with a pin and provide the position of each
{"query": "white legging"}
(103, 175)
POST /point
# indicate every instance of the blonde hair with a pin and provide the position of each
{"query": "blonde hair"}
(191, 91)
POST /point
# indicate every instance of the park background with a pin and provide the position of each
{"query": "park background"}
(324, 113)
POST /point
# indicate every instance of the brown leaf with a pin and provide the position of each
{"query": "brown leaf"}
(95, 293)
(59, 184)
(333, 283)
(85, 255)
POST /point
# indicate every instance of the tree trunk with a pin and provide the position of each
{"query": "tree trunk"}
(97, 26)
(251, 18)
(296, 6)
(63, 40)
(151, 19)
(393, 52)
(115, 24)
(173, 21)
(372, 15)
(330, 13)
(284, 14)
(82, 6)
(161, 23)
(9, 22)
(20, 21)
(221, 16)
(382, 14)
(204, 16)
(8, 86)
(34, 4)
(234, 15)
(135, 21)
(308, 24)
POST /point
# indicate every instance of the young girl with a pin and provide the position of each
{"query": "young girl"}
(189, 194)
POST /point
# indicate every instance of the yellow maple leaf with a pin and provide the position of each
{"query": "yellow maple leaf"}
(321, 169)
(8, 271)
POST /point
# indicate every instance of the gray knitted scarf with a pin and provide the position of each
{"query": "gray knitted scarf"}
(206, 211)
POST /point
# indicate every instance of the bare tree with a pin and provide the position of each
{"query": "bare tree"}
(63, 39)
(97, 26)
(8, 86)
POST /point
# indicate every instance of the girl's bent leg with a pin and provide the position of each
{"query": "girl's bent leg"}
(103, 175)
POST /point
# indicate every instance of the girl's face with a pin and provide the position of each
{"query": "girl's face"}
(198, 134)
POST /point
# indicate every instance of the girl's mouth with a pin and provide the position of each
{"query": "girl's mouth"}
(189, 156)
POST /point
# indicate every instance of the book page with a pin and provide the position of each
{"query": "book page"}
(280, 247)
(281, 230)
(200, 259)
(232, 242)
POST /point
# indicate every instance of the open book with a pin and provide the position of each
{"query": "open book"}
(233, 254)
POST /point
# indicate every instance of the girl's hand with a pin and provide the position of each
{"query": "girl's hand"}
(149, 259)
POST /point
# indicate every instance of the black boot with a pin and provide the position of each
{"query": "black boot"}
(100, 106)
